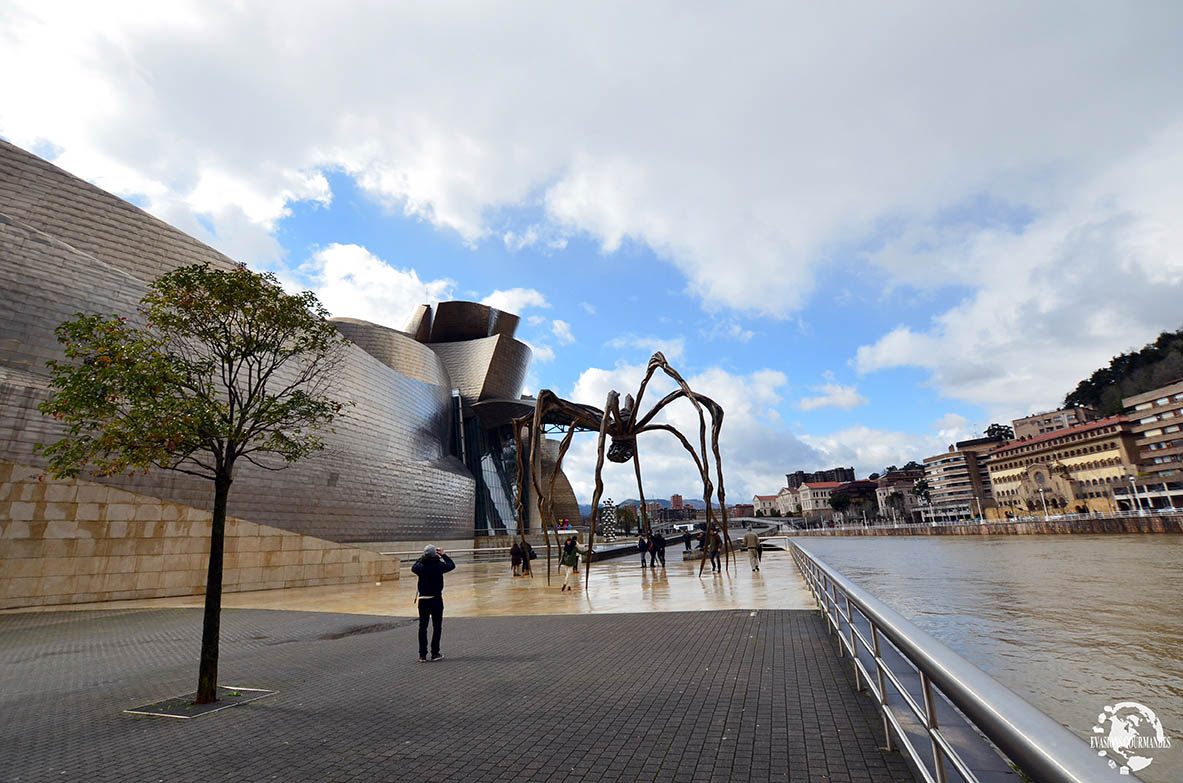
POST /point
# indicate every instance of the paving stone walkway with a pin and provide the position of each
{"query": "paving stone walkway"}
(692, 696)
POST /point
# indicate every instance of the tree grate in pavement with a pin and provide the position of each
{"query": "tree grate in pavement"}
(185, 707)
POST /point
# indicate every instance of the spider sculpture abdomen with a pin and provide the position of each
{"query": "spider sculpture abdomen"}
(622, 449)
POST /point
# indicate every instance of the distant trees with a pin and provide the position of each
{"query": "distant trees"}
(873, 476)
(627, 518)
(839, 501)
(913, 465)
(1156, 364)
(1003, 431)
(922, 491)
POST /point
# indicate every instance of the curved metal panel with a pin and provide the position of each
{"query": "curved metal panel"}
(489, 368)
(456, 321)
(419, 325)
(385, 475)
(394, 349)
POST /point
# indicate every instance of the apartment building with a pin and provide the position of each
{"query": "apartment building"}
(1074, 470)
(1041, 423)
(893, 493)
(958, 481)
(796, 479)
(1156, 419)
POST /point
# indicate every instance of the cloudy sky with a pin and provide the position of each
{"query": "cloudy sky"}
(866, 229)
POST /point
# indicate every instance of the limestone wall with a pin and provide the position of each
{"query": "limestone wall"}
(65, 542)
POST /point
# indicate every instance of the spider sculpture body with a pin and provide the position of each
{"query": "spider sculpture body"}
(618, 427)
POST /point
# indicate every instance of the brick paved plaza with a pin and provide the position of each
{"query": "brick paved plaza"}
(690, 696)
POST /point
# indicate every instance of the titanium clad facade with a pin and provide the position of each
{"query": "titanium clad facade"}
(388, 473)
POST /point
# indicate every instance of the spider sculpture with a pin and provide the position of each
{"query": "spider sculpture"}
(621, 426)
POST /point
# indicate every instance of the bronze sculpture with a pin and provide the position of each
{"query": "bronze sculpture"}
(622, 426)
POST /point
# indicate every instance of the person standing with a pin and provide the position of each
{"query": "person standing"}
(651, 545)
(515, 558)
(430, 568)
(752, 542)
(713, 545)
(642, 547)
(527, 556)
(686, 539)
(569, 561)
(659, 547)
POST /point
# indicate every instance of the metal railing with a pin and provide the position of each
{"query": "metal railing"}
(950, 717)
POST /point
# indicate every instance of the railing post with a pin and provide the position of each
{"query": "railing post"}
(882, 685)
(930, 719)
(858, 680)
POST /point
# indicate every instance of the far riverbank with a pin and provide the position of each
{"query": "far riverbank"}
(1085, 525)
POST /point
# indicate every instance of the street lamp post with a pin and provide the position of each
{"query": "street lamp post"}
(1043, 500)
(1137, 499)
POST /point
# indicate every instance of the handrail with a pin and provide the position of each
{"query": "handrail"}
(1037, 745)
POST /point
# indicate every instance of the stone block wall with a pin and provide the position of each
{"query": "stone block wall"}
(75, 541)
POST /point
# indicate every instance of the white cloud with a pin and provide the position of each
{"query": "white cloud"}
(535, 320)
(757, 449)
(562, 332)
(518, 241)
(674, 348)
(204, 110)
(727, 330)
(589, 308)
(352, 282)
(833, 395)
(1029, 157)
(870, 450)
(1099, 273)
(515, 300)
(542, 352)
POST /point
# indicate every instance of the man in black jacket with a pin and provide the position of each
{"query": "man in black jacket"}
(430, 568)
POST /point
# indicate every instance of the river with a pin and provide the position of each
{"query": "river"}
(1071, 623)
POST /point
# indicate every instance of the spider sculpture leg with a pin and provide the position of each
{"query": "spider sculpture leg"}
(599, 489)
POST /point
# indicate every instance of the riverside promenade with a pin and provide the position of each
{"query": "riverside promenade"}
(648, 677)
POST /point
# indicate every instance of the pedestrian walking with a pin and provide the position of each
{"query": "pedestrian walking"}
(651, 546)
(528, 554)
(659, 547)
(569, 561)
(642, 547)
(430, 568)
(686, 540)
(713, 544)
(515, 558)
(752, 542)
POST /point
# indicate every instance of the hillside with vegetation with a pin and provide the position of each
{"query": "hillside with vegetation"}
(1156, 364)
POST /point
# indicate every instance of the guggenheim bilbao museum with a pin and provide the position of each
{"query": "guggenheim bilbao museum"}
(426, 454)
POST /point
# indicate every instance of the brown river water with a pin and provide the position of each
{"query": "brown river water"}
(1070, 623)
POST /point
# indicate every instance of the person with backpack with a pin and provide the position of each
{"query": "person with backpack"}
(642, 547)
(429, 597)
(569, 561)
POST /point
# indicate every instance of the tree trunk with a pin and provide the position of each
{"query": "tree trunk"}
(207, 674)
